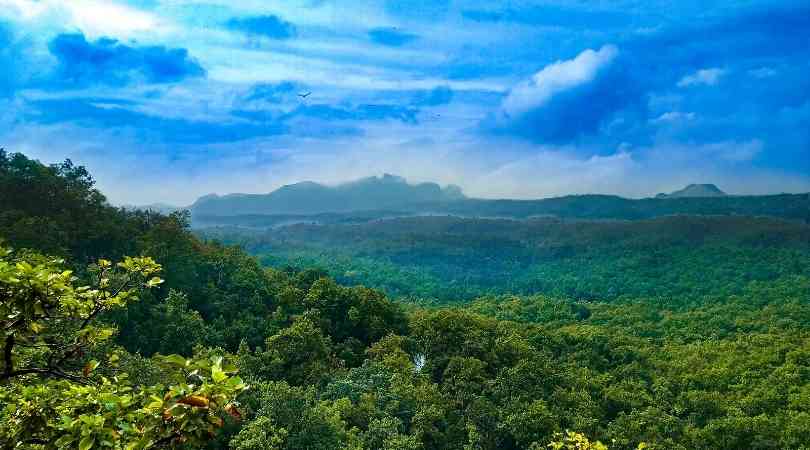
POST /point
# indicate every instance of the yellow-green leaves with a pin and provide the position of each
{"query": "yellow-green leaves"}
(113, 413)
(38, 292)
(576, 441)
(217, 374)
(145, 265)
(573, 441)
(87, 442)
(55, 395)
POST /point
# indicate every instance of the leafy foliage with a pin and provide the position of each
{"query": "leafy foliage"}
(58, 395)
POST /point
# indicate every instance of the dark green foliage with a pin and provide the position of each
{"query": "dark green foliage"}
(300, 354)
(291, 418)
(56, 210)
(355, 313)
(451, 259)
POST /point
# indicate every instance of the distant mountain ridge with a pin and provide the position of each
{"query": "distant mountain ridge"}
(695, 191)
(371, 193)
(389, 196)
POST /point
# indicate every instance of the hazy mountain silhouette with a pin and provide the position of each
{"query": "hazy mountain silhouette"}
(375, 198)
(371, 193)
(695, 190)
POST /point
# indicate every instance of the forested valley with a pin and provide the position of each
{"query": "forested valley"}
(126, 329)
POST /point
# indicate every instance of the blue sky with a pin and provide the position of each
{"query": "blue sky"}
(167, 100)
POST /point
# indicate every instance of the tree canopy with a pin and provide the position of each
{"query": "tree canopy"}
(129, 331)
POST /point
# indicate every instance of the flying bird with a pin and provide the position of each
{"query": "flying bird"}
(305, 95)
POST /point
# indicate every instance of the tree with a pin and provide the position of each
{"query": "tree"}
(169, 327)
(290, 418)
(62, 389)
(56, 209)
(299, 354)
(572, 441)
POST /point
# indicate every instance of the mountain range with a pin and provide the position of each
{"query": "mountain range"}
(387, 196)
(695, 191)
(389, 192)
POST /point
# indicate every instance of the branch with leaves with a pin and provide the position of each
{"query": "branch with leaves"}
(54, 395)
(42, 309)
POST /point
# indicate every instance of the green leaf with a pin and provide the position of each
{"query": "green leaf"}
(64, 441)
(236, 383)
(175, 360)
(217, 374)
(87, 442)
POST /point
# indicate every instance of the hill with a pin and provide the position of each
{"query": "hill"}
(592, 207)
(392, 196)
(372, 193)
(695, 190)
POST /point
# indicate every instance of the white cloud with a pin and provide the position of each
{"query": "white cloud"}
(708, 77)
(94, 18)
(557, 77)
(673, 117)
(240, 66)
(107, 18)
(26, 9)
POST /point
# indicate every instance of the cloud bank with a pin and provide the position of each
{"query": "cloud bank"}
(107, 61)
(557, 78)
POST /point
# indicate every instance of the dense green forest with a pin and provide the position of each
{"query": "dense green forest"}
(123, 329)
(455, 259)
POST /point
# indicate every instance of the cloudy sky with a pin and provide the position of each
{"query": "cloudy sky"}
(167, 100)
